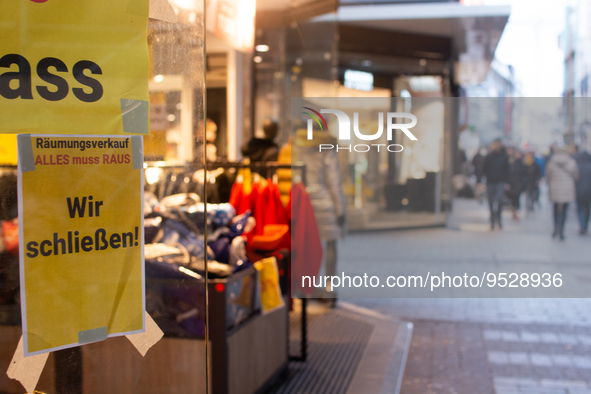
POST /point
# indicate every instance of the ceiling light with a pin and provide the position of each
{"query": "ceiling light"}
(262, 48)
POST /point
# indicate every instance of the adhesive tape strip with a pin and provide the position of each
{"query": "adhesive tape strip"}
(137, 151)
(135, 115)
(145, 340)
(93, 335)
(162, 10)
(25, 152)
(26, 370)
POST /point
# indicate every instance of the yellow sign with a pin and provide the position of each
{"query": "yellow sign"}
(81, 239)
(7, 149)
(271, 298)
(71, 66)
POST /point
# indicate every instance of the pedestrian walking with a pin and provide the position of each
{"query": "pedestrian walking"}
(496, 171)
(478, 168)
(562, 173)
(531, 181)
(583, 187)
(515, 184)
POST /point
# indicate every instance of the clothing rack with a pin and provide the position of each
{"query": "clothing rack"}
(269, 168)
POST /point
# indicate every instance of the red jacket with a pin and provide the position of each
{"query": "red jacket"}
(306, 247)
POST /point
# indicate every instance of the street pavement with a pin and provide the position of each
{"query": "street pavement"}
(485, 345)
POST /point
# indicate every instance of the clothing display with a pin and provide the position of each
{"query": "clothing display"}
(264, 201)
(284, 175)
(306, 258)
(252, 226)
(178, 226)
(181, 180)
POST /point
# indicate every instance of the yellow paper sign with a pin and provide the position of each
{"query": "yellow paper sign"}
(271, 298)
(7, 149)
(71, 66)
(81, 239)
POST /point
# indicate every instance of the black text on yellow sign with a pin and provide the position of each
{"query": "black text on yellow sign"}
(18, 84)
(81, 217)
(72, 67)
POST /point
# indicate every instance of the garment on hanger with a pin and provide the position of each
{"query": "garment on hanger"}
(306, 252)
(264, 200)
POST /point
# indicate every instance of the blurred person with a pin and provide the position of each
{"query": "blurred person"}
(478, 166)
(541, 162)
(263, 149)
(531, 181)
(515, 185)
(464, 162)
(496, 171)
(583, 187)
(562, 173)
(210, 135)
(324, 186)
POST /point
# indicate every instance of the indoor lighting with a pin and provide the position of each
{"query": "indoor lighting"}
(262, 48)
(159, 78)
(257, 59)
(359, 80)
(153, 175)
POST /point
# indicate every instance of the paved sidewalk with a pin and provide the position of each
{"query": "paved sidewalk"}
(480, 345)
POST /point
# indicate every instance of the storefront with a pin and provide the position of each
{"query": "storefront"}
(196, 83)
(417, 53)
(202, 310)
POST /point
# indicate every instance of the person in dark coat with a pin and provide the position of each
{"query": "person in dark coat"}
(531, 180)
(583, 188)
(515, 184)
(478, 164)
(263, 149)
(496, 171)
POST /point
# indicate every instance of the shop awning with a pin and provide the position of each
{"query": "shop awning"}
(474, 31)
